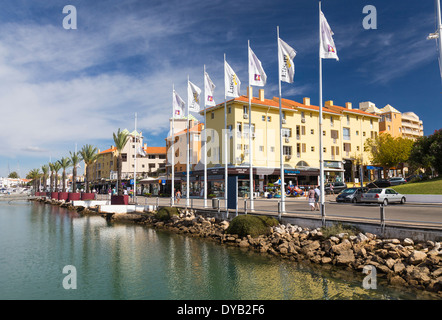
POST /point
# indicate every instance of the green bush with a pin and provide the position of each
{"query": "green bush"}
(165, 213)
(338, 228)
(254, 226)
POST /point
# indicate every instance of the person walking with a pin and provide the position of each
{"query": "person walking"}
(317, 196)
(311, 198)
(178, 196)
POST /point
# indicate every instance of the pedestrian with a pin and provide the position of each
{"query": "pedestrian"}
(331, 189)
(311, 198)
(178, 196)
(317, 196)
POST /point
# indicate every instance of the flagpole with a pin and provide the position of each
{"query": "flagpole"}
(226, 172)
(321, 160)
(205, 142)
(135, 162)
(172, 192)
(281, 150)
(188, 149)
(439, 31)
(250, 135)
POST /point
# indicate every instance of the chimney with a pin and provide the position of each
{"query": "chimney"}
(306, 101)
(348, 105)
(261, 94)
(328, 103)
(250, 89)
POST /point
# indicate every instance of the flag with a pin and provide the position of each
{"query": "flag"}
(286, 65)
(232, 82)
(178, 105)
(193, 97)
(209, 89)
(327, 45)
(141, 151)
(257, 76)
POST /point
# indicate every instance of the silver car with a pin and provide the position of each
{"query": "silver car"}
(383, 195)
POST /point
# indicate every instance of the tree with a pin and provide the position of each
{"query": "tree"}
(51, 178)
(64, 164)
(75, 161)
(120, 139)
(44, 175)
(88, 155)
(13, 175)
(427, 152)
(387, 151)
(34, 175)
(56, 166)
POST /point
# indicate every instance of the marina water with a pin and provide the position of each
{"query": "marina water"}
(125, 261)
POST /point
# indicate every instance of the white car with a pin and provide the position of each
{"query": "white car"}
(383, 195)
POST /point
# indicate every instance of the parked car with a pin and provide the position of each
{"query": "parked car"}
(380, 183)
(337, 187)
(351, 195)
(397, 181)
(383, 195)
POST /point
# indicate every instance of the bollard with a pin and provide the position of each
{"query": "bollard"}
(158, 202)
(279, 211)
(245, 206)
(382, 214)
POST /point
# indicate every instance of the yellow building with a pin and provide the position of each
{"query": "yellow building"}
(397, 124)
(344, 132)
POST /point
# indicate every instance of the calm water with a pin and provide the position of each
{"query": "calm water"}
(135, 262)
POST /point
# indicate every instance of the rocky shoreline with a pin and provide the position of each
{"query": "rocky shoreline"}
(401, 262)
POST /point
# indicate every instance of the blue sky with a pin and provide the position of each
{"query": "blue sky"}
(59, 88)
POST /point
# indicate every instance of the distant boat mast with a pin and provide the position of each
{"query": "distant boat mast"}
(438, 34)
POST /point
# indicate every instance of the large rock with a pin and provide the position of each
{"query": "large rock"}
(345, 257)
(417, 257)
(342, 247)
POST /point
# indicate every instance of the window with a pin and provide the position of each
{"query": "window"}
(263, 118)
(357, 148)
(346, 133)
(272, 149)
(230, 110)
(334, 134)
(286, 132)
(142, 166)
(239, 147)
(238, 129)
(324, 150)
(269, 118)
(212, 116)
(363, 133)
(298, 149)
(162, 156)
(312, 149)
(348, 120)
(245, 109)
(304, 147)
(347, 147)
(331, 121)
(303, 130)
(283, 115)
(287, 150)
(302, 115)
(124, 157)
(337, 151)
(323, 133)
(312, 131)
(371, 123)
(151, 156)
(261, 148)
(357, 132)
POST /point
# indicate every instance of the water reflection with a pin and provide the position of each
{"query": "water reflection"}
(119, 261)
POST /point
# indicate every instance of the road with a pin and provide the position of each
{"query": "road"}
(409, 214)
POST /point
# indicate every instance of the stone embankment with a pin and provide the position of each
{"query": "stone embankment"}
(401, 262)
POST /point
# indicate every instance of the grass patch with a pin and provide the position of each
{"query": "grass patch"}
(433, 186)
(338, 228)
(254, 226)
(165, 213)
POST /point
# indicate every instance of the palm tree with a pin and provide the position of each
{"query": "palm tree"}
(56, 165)
(120, 140)
(64, 164)
(88, 155)
(51, 179)
(34, 175)
(45, 170)
(75, 161)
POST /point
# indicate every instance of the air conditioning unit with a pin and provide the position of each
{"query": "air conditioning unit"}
(288, 157)
(287, 140)
(284, 121)
(303, 120)
(246, 116)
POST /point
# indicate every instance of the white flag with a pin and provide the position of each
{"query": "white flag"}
(286, 54)
(209, 89)
(327, 45)
(193, 97)
(257, 76)
(141, 151)
(178, 105)
(232, 82)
